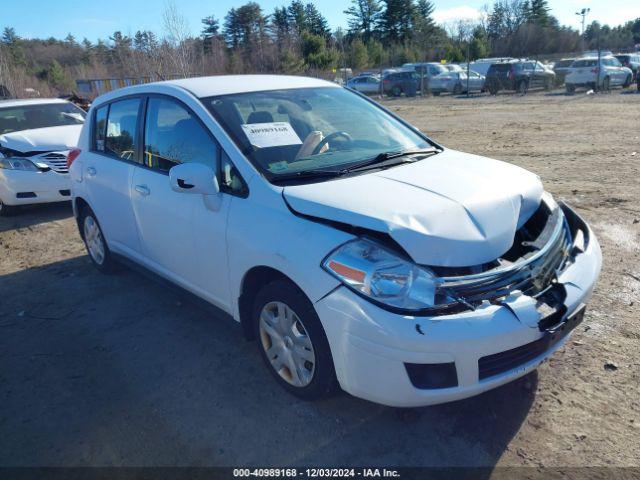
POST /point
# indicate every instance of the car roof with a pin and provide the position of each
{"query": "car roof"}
(30, 101)
(229, 84)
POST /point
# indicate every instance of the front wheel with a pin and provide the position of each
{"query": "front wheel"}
(95, 243)
(523, 86)
(292, 341)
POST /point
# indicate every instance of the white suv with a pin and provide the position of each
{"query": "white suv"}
(584, 72)
(354, 249)
(35, 138)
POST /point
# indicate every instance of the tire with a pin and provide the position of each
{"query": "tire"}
(522, 87)
(628, 81)
(312, 374)
(606, 84)
(7, 210)
(571, 88)
(436, 94)
(396, 91)
(94, 242)
(457, 90)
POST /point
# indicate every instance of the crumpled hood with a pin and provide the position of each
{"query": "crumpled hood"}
(452, 209)
(48, 139)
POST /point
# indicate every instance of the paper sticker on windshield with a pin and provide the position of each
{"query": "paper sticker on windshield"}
(273, 134)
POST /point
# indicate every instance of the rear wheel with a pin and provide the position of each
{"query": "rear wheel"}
(457, 90)
(571, 88)
(6, 210)
(95, 243)
(396, 91)
(292, 341)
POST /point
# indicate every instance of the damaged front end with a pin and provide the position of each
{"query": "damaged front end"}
(525, 279)
(543, 248)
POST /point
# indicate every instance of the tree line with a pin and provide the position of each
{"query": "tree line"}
(296, 38)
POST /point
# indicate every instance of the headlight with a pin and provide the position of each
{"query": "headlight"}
(17, 163)
(382, 276)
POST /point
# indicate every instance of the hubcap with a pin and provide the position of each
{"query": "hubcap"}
(287, 344)
(93, 239)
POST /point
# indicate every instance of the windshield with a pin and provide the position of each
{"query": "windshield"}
(28, 117)
(289, 131)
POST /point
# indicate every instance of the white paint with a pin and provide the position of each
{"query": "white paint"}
(450, 209)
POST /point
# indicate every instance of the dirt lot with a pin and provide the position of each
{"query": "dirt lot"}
(119, 370)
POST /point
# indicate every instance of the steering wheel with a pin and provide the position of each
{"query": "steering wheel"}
(330, 137)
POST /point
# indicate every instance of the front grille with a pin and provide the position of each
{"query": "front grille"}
(531, 275)
(502, 362)
(498, 363)
(55, 161)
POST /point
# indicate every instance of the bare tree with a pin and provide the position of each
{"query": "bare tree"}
(178, 39)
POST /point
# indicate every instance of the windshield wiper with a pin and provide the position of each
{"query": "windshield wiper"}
(327, 173)
(386, 156)
(307, 174)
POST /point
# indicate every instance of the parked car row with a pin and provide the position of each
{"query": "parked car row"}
(503, 74)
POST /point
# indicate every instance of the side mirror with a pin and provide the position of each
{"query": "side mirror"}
(193, 178)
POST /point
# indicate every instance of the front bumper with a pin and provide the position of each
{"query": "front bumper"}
(371, 346)
(18, 187)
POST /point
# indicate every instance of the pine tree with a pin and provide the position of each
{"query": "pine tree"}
(210, 31)
(397, 20)
(363, 17)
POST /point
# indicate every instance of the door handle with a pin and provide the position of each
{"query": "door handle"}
(142, 190)
(91, 172)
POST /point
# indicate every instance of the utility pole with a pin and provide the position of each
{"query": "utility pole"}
(583, 13)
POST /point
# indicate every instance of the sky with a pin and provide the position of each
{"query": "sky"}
(93, 19)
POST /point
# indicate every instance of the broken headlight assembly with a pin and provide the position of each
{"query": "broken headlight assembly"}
(383, 277)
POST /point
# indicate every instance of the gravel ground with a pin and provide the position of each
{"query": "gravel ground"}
(120, 370)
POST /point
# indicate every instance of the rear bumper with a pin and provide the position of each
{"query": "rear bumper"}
(372, 347)
(19, 187)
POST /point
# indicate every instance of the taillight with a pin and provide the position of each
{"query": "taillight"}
(71, 156)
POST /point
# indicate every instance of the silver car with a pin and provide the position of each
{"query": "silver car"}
(456, 83)
(365, 84)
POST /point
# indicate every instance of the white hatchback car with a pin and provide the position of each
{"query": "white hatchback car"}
(585, 72)
(35, 138)
(357, 251)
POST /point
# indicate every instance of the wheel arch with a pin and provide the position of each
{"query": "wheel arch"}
(252, 281)
(79, 204)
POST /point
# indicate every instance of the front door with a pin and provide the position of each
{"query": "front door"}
(183, 235)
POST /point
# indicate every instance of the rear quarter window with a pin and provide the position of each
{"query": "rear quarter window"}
(100, 128)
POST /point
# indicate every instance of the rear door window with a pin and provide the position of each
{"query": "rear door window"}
(122, 126)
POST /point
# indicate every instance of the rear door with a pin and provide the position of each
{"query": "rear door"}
(108, 169)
